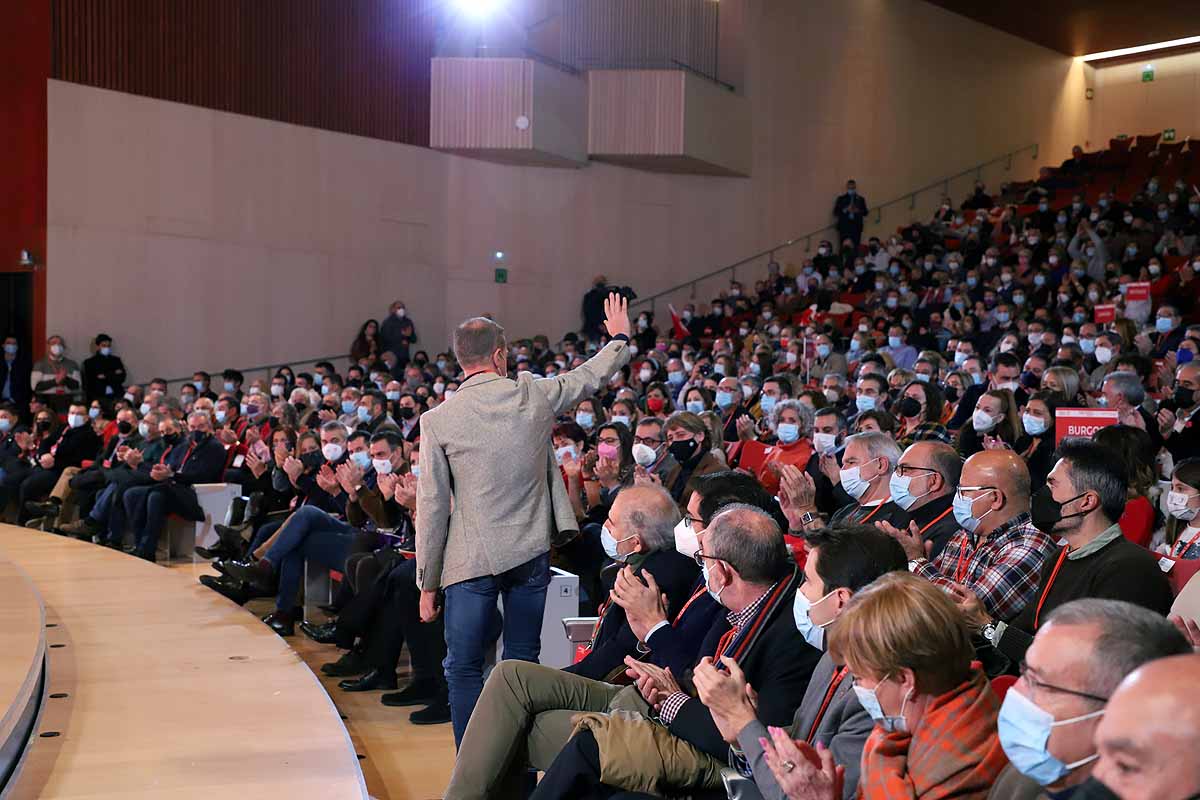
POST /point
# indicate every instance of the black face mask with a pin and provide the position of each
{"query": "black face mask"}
(200, 437)
(301, 407)
(312, 460)
(684, 451)
(406, 413)
(124, 428)
(171, 438)
(1046, 512)
(1184, 397)
(951, 393)
(909, 407)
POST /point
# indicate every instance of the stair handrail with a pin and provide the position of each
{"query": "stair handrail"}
(909, 197)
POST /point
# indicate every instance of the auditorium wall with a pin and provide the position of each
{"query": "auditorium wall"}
(1124, 103)
(198, 237)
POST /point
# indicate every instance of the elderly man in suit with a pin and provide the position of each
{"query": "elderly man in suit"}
(491, 498)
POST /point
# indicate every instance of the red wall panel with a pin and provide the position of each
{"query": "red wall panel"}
(353, 66)
(24, 68)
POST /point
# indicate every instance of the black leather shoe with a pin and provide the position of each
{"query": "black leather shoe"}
(375, 679)
(258, 572)
(415, 694)
(231, 537)
(437, 713)
(47, 508)
(321, 634)
(228, 589)
(213, 553)
(281, 623)
(347, 666)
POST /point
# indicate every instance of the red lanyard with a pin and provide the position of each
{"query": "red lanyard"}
(695, 596)
(874, 511)
(726, 638)
(1049, 582)
(960, 569)
(1179, 553)
(833, 686)
(936, 520)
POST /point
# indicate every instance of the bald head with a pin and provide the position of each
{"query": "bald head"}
(748, 540)
(1147, 736)
(1004, 473)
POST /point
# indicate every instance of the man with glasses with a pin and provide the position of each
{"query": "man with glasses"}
(654, 460)
(924, 485)
(1082, 500)
(998, 553)
(1078, 658)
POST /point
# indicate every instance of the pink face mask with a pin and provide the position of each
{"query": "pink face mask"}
(609, 451)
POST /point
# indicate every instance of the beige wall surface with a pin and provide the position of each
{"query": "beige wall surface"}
(1124, 104)
(199, 238)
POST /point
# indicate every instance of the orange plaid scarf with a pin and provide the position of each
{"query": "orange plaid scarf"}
(954, 752)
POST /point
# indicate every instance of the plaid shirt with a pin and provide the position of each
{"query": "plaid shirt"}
(1003, 569)
(928, 432)
(670, 707)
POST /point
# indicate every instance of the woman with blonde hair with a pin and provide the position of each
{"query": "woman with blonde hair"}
(935, 735)
(996, 424)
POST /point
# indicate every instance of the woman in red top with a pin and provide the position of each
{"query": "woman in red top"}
(791, 421)
(1134, 448)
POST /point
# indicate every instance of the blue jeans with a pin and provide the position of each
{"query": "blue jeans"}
(473, 624)
(307, 535)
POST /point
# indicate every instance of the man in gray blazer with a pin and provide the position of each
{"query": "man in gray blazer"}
(841, 561)
(491, 499)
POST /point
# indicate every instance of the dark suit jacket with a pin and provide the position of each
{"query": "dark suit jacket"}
(113, 370)
(675, 575)
(778, 666)
(677, 646)
(20, 368)
(204, 464)
(74, 446)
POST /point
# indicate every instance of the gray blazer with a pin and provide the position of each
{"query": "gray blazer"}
(490, 495)
(844, 730)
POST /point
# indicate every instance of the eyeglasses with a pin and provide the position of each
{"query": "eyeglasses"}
(962, 489)
(700, 556)
(905, 470)
(648, 440)
(1038, 684)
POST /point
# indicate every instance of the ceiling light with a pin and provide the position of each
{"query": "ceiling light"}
(1142, 48)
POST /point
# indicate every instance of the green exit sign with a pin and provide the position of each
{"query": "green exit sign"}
(1147, 73)
(501, 275)
(1169, 135)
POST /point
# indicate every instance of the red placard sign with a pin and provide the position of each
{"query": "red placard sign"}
(1081, 421)
(1138, 292)
(1105, 313)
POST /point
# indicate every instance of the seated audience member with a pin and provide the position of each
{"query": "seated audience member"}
(791, 423)
(994, 424)
(998, 554)
(199, 459)
(1177, 423)
(639, 536)
(920, 411)
(1183, 505)
(1124, 393)
(1083, 497)
(923, 485)
(841, 561)
(312, 532)
(372, 412)
(690, 442)
(1075, 663)
(73, 445)
(1146, 739)
(875, 421)
(1133, 447)
(867, 465)
(525, 712)
(654, 460)
(1038, 419)
(911, 655)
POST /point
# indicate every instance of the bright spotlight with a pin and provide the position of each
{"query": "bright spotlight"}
(477, 9)
(499, 255)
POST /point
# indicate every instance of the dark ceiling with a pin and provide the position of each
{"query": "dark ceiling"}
(1079, 27)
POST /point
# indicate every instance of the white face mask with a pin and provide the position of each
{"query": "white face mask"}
(825, 442)
(687, 541)
(383, 466)
(982, 421)
(1177, 506)
(644, 455)
(802, 607)
(870, 703)
(853, 482)
(561, 453)
(332, 451)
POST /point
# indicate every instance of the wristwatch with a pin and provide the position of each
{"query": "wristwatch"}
(989, 633)
(808, 518)
(912, 565)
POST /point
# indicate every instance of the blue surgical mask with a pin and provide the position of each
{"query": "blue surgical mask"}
(695, 406)
(870, 703)
(585, 419)
(1034, 426)
(864, 403)
(5, 425)
(725, 399)
(893, 341)
(93, 412)
(899, 489)
(364, 414)
(823, 350)
(714, 595)
(361, 459)
(787, 432)
(1024, 733)
(623, 419)
(416, 470)
(676, 378)
(963, 513)
(221, 417)
(228, 386)
(393, 396)
(767, 403)
(813, 633)
(348, 406)
(1163, 324)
